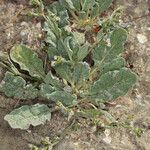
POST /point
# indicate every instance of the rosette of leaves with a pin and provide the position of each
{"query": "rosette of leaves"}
(72, 78)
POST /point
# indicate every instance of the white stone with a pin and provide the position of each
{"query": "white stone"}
(141, 38)
(24, 33)
(38, 25)
(107, 132)
(107, 139)
(24, 23)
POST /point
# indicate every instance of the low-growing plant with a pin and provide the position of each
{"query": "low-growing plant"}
(46, 144)
(82, 76)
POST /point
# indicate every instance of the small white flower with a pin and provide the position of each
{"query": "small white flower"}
(55, 57)
(53, 63)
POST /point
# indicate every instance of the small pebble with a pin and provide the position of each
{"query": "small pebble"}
(141, 38)
(24, 23)
(107, 140)
(38, 25)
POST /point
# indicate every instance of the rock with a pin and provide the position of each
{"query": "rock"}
(141, 38)
(24, 24)
(107, 132)
(38, 25)
(107, 139)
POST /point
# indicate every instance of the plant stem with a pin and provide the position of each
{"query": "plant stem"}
(74, 15)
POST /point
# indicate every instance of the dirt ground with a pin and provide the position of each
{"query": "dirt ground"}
(133, 109)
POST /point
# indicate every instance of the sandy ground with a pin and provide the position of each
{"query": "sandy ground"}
(15, 27)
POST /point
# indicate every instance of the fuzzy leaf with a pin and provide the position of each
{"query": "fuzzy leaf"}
(79, 47)
(50, 93)
(46, 90)
(118, 36)
(51, 84)
(77, 5)
(26, 115)
(55, 82)
(115, 64)
(28, 60)
(63, 50)
(54, 35)
(50, 37)
(52, 24)
(87, 4)
(68, 4)
(64, 17)
(104, 4)
(82, 52)
(64, 97)
(104, 54)
(61, 12)
(58, 40)
(15, 86)
(81, 73)
(67, 47)
(112, 85)
(64, 71)
(79, 37)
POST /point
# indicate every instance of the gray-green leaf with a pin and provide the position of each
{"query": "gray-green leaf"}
(104, 54)
(87, 4)
(118, 36)
(64, 97)
(79, 37)
(15, 86)
(81, 73)
(115, 64)
(26, 115)
(64, 71)
(104, 4)
(28, 60)
(50, 93)
(112, 85)
(46, 90)
(77, 4)
(68, 4)
(51, 80)
(61, 12)
(83, 52)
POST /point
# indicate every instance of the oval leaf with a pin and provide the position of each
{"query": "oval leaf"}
(112, 85)
(64, 70)
(16, 87)
(104, 54)
(52, 80)
(115, 64)
(104, 4)
(87, 4)
(81, 73)
(28, 60)
(64, 97)
(26, 115)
